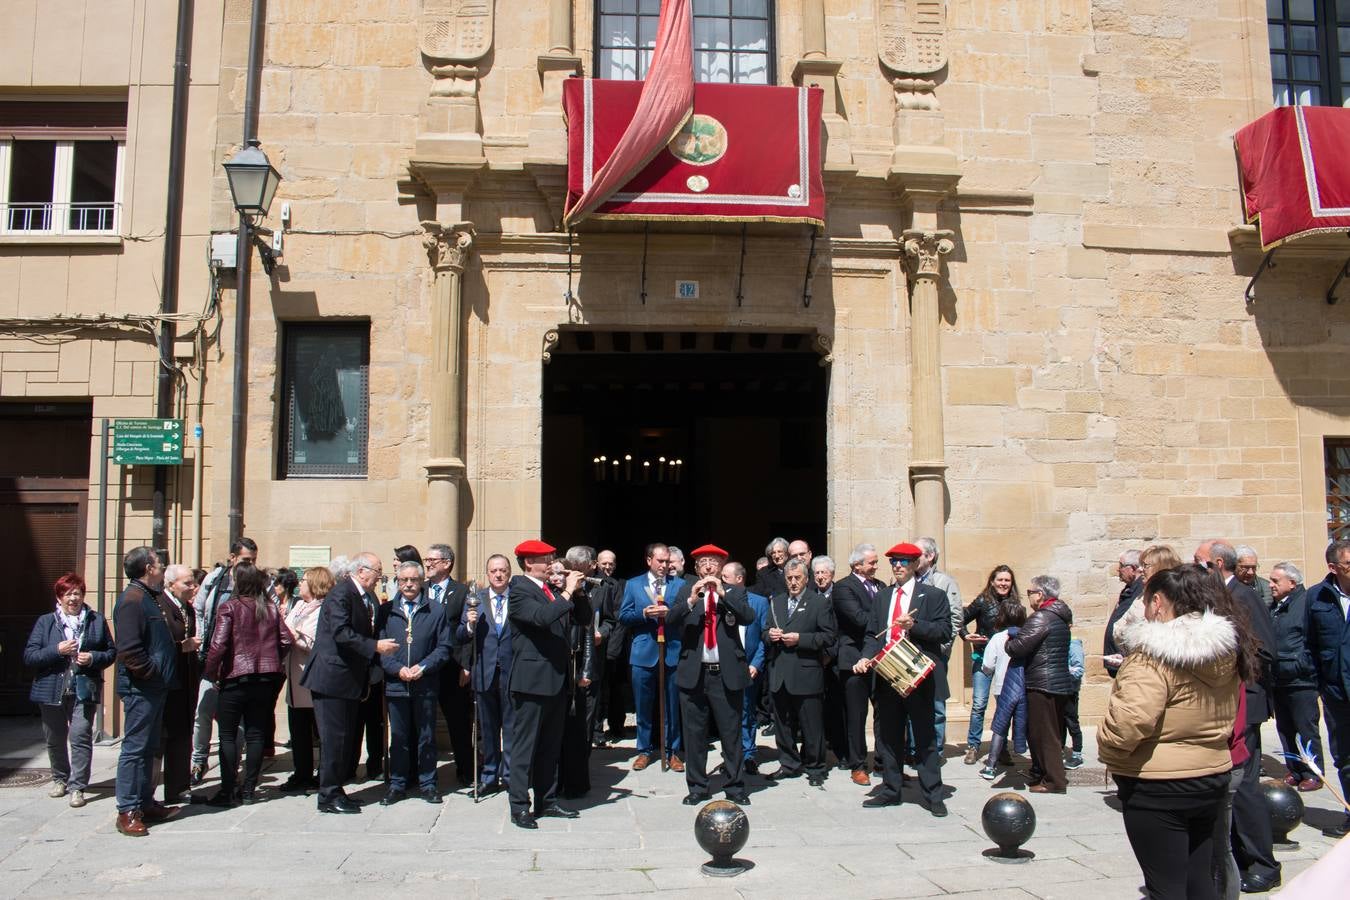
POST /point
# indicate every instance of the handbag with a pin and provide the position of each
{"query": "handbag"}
(85, 689)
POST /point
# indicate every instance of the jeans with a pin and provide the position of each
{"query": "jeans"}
(254, 702)
(979, 702)
(74, 722)
(939, 722)
(750, 720)
(1227, 875)
(142, 719)
(206, 717)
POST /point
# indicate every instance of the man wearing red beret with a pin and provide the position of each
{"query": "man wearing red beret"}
(540, 656)
(921, 613)
(712, 673)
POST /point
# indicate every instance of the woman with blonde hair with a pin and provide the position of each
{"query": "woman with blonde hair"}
(303, 620)
(1155, 559)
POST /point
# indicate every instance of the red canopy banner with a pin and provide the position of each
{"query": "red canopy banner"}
(749, 153)
(1294, 170)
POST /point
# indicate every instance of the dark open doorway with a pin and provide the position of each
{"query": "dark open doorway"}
(738, 418)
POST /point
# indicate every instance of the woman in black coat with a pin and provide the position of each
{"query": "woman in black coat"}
(1043, 644)
(69, 649)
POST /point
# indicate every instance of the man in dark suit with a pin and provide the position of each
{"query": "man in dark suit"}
(922, 613)
(646, 599)
(769, 580)
(853, 597)
(613, 702)
(456, 697)
(338, 675)
(801, 631)
(1252, 839)
(1131, 574)
(491, 676)
(752, 641)
(181, 704)
(1328, 638)
(540, 658)
(712, 673)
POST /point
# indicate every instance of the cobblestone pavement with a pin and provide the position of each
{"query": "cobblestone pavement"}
(633, 837)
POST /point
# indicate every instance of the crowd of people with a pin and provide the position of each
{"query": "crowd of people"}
(555, 658)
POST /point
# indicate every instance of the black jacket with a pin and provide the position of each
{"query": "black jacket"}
(733, 611)
(606, 598)
(1294, 668)
(1258, 616)
(1044, 643)
(453, 598)
(344, 644)
(852, 612)
(800, 670)
(1128, 595)
(769, 581)
(540, 656)
(50, 667)
(932, 613)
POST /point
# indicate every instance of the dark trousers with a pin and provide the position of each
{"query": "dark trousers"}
(1174, 849)
(896, 714)
(180, 713)
(1296, 721)
(300, 720)
(799, 711)
(370, 722)
(857, 691)
(574, 760)
(711, 704)
(536, 742)
(647, 704)
(412, 741)
(836, 730)
(253, 702)
(1251, 817)
(1045, 724)
(496, 719)
(1338, 730)
(615, 700)
(142, 718)
(339, 728)
(457, 708)
(1075, 731)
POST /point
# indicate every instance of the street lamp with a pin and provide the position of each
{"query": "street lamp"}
(253, 180)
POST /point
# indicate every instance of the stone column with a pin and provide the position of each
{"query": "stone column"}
(813, 29)
(815, 69)
(548, 128)
(560, 27)
(448, 247)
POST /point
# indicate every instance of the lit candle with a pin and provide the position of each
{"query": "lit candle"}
(595, 462)
(661, 469)
(628, 467)
(679, 470)
(646, 471)
(602, 469)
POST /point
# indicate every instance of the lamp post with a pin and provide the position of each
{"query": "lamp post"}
(253, 184)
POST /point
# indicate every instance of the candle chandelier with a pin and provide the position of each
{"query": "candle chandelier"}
(627, 470)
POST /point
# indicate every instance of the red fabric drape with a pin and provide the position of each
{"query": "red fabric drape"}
(1295, 173)
(667, 101)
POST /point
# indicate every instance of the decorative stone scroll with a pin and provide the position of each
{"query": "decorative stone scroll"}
(924, 251)
(448, 246)
(912, 35)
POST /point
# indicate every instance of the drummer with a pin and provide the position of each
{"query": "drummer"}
(920, 614)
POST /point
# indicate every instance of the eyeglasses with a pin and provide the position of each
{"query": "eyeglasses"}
(434, 559)
(378, 570)
(1031, 591)
(902, 561)
(409, 579)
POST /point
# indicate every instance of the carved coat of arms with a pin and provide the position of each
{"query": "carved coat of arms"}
(912, 35)
(456, 30)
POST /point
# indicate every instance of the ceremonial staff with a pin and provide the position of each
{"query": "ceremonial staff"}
(661, 678)
(473, 664)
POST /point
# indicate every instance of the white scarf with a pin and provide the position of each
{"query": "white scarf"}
(73, 625)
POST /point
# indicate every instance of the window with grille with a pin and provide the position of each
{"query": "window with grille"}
(1338, 487)
(1309, 51)
(733, 39)
(325, 400)
(61, 166)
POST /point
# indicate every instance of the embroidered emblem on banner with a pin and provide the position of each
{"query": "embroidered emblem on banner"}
(701, 142)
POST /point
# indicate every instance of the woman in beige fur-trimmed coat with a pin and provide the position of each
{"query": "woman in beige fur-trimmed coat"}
(1167, 727)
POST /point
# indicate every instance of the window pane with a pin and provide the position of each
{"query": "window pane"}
(1276, 36)
(1305, 68)
(326, 399)
(650, 7)
(1343, 38)
(1274, 9)
(710, 66)
(1343, 11)
(618, 64)
(1302, 10)
(1303, 37)
(711, 8)
(92, 185)
(618, 6)
(761, 8)
(647, 30)
(32, 166)
(712, 34)
(1281, 95)
(1279, 67)
(1345, 70)
(1308, 95)
(752, 68)
(618, 31)
(750, 34)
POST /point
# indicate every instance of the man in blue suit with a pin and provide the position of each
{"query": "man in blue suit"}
(1328, 640)
(752, 639)
(491, 674)
(645, 599)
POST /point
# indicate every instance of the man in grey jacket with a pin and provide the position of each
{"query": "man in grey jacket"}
(927, 573)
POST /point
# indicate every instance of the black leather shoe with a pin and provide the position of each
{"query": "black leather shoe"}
(488, 788)
(295, 785)
(431, 795)
(523, 820)
(558, 812)
(694, 799)
(393, 797)
(1338, 831)
(740, 799)
(1253, 885)
(221, 800)
(816, 781)
(339, 805)
(938, 809)
(783, 775)
(878, 802)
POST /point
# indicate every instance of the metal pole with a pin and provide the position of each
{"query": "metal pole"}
(102, 565)
(173, 235)
(243, 271)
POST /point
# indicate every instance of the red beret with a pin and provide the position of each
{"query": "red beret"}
(904, 550)
(709, 550)
(534, 548)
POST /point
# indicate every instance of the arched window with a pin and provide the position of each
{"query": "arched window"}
(733, 39)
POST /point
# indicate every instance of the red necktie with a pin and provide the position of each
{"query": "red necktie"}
(548, 594)
(896, 630)
(710, 623)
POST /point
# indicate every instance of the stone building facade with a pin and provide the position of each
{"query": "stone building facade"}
(1026, 308)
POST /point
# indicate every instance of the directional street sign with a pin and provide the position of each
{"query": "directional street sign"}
(147, 442)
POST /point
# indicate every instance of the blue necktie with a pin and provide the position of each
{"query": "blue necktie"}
(497, 612)
(436, 593)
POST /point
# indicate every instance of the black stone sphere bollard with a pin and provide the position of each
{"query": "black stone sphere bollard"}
(1009, 820)
(1285, 807)
(722, 828)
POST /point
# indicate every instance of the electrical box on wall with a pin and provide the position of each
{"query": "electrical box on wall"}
(224, 250)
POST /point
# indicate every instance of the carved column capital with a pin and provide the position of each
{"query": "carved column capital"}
(448, 246)
(924, 251)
